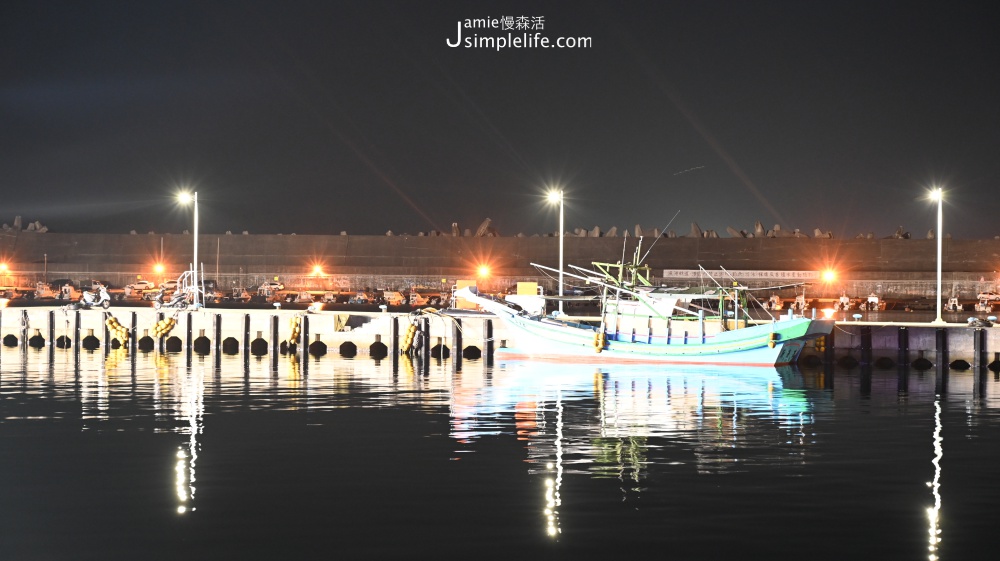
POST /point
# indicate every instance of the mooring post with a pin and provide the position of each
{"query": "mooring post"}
(246, 338)
(274, 341)
(941, 366)
(394, 342)
(903, 362)
(160, 339)
(427, 345)
(979, 348)
(304, 344)
(24, 329)
(489, 342)
(866, 345)
(107, 333)
(52, 334)
(133, 334)
(903, 338)
(456, 344)
(218, 333)
(76, 330)
(189, 344)
(941, 346)
(76, 337)
(218, 343)
(831, 341)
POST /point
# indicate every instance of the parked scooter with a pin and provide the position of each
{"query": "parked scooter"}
(178, 300)
(90, 299)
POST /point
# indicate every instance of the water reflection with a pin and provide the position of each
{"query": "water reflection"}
(933, 513)
(612, 414)
(191, 411)
(642, 434)
(553, 485)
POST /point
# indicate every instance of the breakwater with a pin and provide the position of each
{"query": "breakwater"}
(907, 266)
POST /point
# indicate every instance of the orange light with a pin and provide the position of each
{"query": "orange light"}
(317, 270)
(829, 275)
(158, 268)
(484, 271)
(3, 267)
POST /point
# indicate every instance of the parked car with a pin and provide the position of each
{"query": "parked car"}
(992, 296)
(141, 285)
(169, 285)
(272, 286)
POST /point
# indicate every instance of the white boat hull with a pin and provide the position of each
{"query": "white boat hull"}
(777, 343)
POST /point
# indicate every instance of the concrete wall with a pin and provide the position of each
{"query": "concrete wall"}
(426, 258)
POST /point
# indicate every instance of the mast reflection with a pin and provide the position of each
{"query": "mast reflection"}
(605, 420)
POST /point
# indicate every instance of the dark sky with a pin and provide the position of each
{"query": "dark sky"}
(321, 117)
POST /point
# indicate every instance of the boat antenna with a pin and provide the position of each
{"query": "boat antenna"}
(750, 294)
(663, 231)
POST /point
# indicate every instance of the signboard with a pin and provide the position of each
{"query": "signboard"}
(742, 275)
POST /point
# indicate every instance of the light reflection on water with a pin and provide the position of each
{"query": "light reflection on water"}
(602, 456)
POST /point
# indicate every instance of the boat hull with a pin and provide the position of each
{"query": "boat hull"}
(777, 343)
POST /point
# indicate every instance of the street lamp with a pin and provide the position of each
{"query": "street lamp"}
(937, 195)
(186, 198)
(556, 195)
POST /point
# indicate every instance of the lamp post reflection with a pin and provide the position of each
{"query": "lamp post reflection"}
(553, 485)
(933, 513)
(191, 410)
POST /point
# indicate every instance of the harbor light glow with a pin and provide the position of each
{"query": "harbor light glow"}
(483, 271)
(158, 268)
(829, 275)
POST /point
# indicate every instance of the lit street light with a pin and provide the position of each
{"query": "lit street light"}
(937, 195)
(185, 198)
(557, 196)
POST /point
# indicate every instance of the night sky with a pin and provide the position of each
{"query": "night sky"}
(322, 117)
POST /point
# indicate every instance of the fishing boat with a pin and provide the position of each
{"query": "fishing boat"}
(640, 322)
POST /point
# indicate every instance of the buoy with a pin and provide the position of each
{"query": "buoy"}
(599, 341)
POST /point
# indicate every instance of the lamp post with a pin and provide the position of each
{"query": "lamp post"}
(556, 195)
(193, 198)
(937, 195)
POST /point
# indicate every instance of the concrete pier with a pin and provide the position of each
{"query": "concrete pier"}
(234, 332)
(264, 333)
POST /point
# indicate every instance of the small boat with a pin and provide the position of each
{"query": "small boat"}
(643, 323)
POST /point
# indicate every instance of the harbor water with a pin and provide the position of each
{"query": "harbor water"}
(153, 456)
